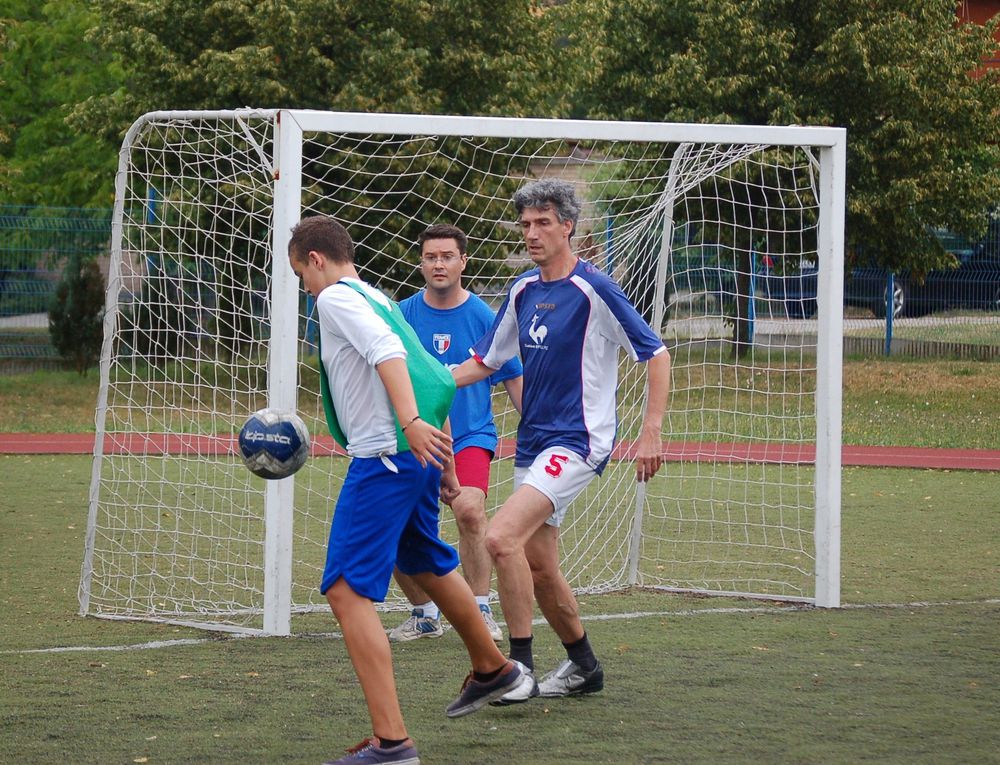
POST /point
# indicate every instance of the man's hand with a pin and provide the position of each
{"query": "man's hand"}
(648, 456)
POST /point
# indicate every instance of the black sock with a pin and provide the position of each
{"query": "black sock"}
(485, 677)
(520, 650)
(389, 743)
(581, 654)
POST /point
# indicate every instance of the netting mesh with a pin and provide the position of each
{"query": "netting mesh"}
(695, 233)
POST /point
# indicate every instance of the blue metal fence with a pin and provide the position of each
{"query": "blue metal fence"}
(34, 245)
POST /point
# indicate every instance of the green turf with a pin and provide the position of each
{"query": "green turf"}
(876, 681)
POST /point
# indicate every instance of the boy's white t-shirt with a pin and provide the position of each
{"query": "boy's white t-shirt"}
(353, 340)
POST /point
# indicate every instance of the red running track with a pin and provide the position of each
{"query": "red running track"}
(880, 456)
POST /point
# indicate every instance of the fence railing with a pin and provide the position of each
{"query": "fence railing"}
(35, 243)
(954, 313)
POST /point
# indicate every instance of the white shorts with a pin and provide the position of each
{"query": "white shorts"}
(559, 474)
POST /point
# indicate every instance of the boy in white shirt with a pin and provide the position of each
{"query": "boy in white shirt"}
(387, 511)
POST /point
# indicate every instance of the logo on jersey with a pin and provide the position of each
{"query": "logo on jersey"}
(537, 333)
(442, 343)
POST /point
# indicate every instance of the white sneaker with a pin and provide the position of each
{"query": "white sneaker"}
(568, 680)
(417, 626)
(526, 690)
(491, 624)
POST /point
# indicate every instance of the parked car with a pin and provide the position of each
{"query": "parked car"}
(973, 284)
(792, 282)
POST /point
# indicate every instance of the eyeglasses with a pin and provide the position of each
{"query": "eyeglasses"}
(445, 260)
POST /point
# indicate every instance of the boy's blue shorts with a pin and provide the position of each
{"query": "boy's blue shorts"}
(385, 519)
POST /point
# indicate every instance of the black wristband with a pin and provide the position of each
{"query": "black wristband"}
(410, 423)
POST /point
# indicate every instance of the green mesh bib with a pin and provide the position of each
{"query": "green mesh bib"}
(433, 385)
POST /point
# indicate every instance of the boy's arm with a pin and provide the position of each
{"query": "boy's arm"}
(427, 443)
(649, 454)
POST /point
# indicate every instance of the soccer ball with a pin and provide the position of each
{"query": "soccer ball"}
(274, 443)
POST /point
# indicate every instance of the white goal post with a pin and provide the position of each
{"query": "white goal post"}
(702, 225)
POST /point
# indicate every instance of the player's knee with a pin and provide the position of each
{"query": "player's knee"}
(471, 520)
(336, 597)
(500, 547)
(543, 573)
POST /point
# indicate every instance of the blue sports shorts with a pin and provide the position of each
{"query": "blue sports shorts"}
(385, 519)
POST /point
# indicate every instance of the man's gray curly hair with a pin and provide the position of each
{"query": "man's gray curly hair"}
(560, 195)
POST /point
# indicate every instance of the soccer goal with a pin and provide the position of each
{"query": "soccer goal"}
(700, 224)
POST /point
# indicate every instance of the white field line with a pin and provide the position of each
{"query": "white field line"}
(592, 618)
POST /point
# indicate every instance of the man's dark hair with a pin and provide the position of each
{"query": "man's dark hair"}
(445, 231)
(550, 192)
(324, 235)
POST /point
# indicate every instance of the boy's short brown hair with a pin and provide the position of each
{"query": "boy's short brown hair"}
(324, 235)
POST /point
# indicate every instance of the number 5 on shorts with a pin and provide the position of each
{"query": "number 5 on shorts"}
(555, 466)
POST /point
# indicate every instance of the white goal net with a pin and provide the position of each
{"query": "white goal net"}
(206, 324)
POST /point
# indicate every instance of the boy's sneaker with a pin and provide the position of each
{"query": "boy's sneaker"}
(568, 680)
(370, 753)
(417, 626)
(526, 690)
(491, 624)
(475, 695)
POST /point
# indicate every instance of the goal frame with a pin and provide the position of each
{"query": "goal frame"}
(289, 126)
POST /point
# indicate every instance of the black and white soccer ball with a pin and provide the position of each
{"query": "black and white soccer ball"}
(274, 443)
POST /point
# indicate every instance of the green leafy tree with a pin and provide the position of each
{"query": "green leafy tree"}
(411, 56)
(76, 316)
(46, 67)
(923, 129)
(454, 56)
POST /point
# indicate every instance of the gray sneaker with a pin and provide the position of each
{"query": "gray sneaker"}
(476, 695)
(568, 680)
(368, 752)
(491, 624)
(417, 626)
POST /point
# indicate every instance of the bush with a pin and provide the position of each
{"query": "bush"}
(76, 314)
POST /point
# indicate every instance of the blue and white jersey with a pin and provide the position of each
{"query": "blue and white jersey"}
(567, 333)
(448, 334)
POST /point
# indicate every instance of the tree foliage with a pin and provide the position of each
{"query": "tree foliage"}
(410, 56)
(45, 69)
(76, 314)
(76, 73)
(923, 129)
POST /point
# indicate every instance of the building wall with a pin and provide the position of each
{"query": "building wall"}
(979, 12)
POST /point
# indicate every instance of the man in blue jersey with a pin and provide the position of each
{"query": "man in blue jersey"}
(448, 319)
(566, 320)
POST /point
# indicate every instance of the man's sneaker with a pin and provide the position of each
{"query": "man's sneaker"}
(475, 695)
(417, 626)
(491, 624)
(568, 680)
(370, 753)
(526, 690)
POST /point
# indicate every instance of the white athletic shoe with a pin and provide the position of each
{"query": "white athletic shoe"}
(491, 624)
(568, 680)
(417, 626)
(526, 690)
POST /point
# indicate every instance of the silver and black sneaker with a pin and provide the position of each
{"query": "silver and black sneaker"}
(569, 680)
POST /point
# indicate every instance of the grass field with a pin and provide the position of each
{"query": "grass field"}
(907, 672)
